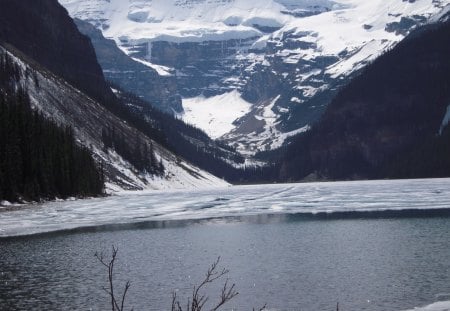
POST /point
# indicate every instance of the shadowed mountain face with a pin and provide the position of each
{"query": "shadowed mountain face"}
(391, 121)
(45, 32)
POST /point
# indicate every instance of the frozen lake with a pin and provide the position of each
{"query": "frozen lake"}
(377, 245)
(239, 201)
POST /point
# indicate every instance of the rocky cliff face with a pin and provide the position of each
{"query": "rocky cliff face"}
(136, 77)
(286, 58)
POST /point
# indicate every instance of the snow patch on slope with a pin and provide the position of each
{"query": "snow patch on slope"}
(215, 115)
(163, 71)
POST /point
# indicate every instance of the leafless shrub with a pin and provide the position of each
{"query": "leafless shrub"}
(198, 299)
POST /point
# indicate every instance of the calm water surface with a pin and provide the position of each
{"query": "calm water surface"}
(290, 262)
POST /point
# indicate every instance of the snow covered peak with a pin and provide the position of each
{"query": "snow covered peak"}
(190, 20)
(197, 20)
(359, 29)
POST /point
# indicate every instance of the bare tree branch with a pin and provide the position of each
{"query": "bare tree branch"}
(110, 266)
(196, 302)
(227, 294)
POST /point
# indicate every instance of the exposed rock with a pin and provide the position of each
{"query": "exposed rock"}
(131, 75)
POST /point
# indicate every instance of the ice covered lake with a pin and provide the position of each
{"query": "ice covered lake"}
(376, 245)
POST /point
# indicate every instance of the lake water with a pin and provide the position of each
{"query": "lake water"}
(382, 245)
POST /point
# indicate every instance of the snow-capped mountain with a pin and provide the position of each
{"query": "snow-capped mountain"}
(254, 73)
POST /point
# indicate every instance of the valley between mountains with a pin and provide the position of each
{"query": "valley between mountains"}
(182, 94)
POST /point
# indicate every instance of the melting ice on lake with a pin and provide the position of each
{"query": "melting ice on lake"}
(236, 201)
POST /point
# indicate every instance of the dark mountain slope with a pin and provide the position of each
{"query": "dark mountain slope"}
(44, 31)
(386, 122)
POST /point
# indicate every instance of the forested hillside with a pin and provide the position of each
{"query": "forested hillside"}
(38, 159)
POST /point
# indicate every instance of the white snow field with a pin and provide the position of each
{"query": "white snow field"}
(215, 115)
(141, 21)
(308, 198)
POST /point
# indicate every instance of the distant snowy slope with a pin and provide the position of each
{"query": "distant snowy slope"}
(362, 29)
(68, 106)
(298, 52)
(216, 114)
